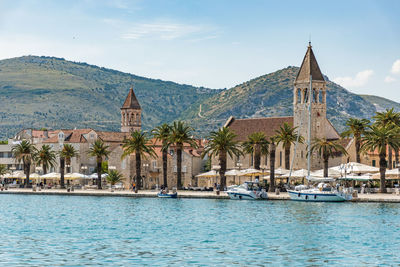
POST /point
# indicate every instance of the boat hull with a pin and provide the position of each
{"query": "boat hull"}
(244, 196)
(174, 195)
(318, 197)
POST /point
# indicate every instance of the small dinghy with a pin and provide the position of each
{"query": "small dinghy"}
(166, 194)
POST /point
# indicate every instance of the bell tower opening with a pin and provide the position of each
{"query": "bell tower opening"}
(131, 113)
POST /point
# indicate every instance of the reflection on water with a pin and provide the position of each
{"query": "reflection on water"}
(68, 230)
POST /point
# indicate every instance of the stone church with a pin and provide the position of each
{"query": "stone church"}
(321, 127)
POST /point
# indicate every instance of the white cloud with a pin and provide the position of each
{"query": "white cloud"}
(359, 80)
(163, 31)
(396, 67)
(389, 79)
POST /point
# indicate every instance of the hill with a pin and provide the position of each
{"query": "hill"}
(55, 93)
(50, 92)
(272, 95)
(380, 103)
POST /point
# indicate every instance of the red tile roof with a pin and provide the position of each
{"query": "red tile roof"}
(245, 127)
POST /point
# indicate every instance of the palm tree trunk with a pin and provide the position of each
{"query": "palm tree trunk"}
(27, 172)
(390, 158)
(287, 157)
(165, 166)
(396, 157)
(99, 174)
(222, 170)
(382, 170)
(62, 170)
(358, 148)
(138, 163)
(272, 167)
(326, 165)
(257, 157)
(44, 169)
(179, 167)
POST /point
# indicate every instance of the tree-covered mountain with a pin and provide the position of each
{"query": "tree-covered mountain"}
(50, 92)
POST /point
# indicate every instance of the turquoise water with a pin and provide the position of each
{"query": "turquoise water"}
(68, 230)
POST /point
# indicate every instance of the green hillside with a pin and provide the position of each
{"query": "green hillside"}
(272, 95)
(54, 93)
(50, 92)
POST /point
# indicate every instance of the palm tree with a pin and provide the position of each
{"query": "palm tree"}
(25, 152)
(3, 169)
(100, 151)
(46, 157)
(255, 144)
(222, 143)
(181, 134)
(390, 118)
(356, 128)
(140, 144)
(114, 177)
(378, 138)
(287, 136)
(66, 154)
(162, 134)
(327, 149)
(272, 154)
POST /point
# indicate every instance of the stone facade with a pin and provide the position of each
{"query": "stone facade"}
(321, 127)
(131, 114)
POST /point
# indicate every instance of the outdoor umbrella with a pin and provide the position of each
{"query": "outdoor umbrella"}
(389, 174)
(51, 175)
(331, 173)
(234, 173)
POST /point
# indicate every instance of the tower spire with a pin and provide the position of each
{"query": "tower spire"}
(309, 67)
(131, 113)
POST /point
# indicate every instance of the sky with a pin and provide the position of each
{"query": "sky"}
(216, 43)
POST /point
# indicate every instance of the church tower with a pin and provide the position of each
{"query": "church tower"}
(309, 70)
(131, 113)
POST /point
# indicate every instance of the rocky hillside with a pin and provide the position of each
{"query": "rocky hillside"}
(272, 95)
(50, 92)
(54, 93)
(380, 103)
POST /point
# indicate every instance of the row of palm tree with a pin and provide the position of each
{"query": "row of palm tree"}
(223, 143)
(381, 135)
(176, 135)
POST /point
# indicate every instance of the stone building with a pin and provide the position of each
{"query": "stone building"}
(82, 140)
(321, 127)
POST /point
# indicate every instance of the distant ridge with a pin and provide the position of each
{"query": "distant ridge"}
(52, 92)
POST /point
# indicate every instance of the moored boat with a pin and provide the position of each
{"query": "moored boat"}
(247, 191)
(165, 194)
(322, 193)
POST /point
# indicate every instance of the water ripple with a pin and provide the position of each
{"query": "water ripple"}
(103, 231)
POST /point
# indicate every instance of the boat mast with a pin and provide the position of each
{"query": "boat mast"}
(310, 96)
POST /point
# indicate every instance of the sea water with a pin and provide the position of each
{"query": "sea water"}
(116, 231)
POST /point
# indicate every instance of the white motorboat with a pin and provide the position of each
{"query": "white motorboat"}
(324, 192)
(248, 190)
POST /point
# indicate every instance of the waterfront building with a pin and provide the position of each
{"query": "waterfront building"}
(321, 127)
(82, 139)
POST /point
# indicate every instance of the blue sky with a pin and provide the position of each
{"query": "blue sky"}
(215, 44)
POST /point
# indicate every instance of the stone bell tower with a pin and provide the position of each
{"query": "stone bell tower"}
(309, 70)
(131, 113)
